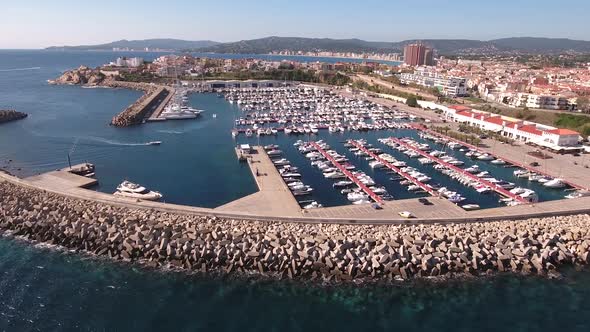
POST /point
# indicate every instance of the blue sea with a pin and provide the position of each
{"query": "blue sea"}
(45, 290)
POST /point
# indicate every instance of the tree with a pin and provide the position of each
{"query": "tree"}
(583, 104)
(412, 102)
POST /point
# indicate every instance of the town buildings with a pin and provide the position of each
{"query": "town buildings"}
(447, 85)
(418, 55)
(525, 131)
(127, 62)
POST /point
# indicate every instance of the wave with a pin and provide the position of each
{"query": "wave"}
(20, 69)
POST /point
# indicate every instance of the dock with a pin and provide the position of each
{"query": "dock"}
(64, 179)
(476, 148)
(155, 115)
(348, 174)
(273, 196)
(394, 168)
(492, 186)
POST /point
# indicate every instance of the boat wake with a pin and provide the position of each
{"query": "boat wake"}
(20, 69)
(113, 142)
(173, 132)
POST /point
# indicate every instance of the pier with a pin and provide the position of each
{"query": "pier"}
(346, 172)
(394, 168)
(476, 148)
(138, 111)
(64, 179)
(494, 187)
(273, 196)
(155, 115)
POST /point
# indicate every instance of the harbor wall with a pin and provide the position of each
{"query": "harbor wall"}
(323, 252)
(137, 112)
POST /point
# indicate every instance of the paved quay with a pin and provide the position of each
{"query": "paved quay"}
(273, 196)
(62, 179)
(155, 115)
(279, 205)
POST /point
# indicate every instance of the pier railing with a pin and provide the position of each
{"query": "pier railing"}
(348, 174)
(492, 186)
(394, 168)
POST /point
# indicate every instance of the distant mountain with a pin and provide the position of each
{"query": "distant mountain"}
(542, 45)
(443, 46)
(165, 44)
(274, 44)
(270, 44)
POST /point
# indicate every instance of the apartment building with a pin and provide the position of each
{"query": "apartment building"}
(448, 85)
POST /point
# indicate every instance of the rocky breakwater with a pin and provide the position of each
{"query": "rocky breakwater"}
(11, 115)
(322, 252)
(140, 109)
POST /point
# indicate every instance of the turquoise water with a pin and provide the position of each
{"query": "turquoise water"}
(42, 290)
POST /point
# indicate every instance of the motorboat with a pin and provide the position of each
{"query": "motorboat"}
(178, 112)
(154, 143)
(521, 173)
(555, 183)
(578, 194)
(470, 207)
(312, 205)
(376, 164)
(498, 162)
(133, 190)
(357, 196)
(341, 184)
(485, 157)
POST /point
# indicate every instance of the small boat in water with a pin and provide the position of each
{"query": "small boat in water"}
(154, 143)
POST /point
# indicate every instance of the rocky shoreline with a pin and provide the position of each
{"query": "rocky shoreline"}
(310, 252)
(11, 115)
(135, 113)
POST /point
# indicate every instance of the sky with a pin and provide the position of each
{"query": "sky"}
(43, 23)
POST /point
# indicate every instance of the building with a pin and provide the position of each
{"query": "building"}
(128, 62)
(418, 55)
(448, 85)
(538, 101)
(524, 131)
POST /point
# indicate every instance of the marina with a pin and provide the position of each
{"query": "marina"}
(481, 181)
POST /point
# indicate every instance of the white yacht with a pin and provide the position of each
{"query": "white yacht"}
(555, 183)
(178, 112)
(133, 190)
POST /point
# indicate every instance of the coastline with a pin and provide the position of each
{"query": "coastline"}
(289, 250)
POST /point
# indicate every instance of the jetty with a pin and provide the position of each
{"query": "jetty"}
(159, 107)
(348, 174)
(273, 196)
(150, 102)
(394, 168)
(464, 173)
(66, 179)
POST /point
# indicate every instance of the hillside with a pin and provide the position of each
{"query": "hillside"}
(165, 44)
(273, 44)
(542, 45)
(270, 44)
(443, 46)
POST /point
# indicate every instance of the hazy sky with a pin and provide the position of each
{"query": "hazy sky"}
(41, 23)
